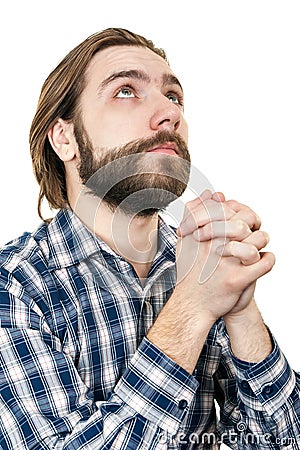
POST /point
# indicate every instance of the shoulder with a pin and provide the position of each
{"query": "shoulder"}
(23, 264)
(27, 249)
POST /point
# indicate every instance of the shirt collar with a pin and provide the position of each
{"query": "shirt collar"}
(70, 242)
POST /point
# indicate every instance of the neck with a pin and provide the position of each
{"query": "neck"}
(132, 237)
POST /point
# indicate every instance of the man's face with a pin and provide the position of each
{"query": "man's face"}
(132, 105)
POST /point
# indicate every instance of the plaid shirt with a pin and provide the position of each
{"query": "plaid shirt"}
(77, 372)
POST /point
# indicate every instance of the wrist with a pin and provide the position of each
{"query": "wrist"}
(180, 330)
(249, 337)
(249, 313)
(189, 304)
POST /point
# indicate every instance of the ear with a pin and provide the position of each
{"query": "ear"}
(62, 140)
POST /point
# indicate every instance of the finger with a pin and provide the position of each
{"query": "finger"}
(192, 205)
(195, 203)
(263, 266)
(219, 197)
(236, 230)
(247, 253)
(258, 238)
(208, 211)
(206, 195)
(245, 213)
(251, 273)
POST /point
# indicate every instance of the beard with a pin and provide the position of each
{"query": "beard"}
(131, 178)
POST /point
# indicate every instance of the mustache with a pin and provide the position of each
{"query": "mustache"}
(145, 144)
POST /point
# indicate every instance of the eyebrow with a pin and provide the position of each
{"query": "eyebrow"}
(167, 78)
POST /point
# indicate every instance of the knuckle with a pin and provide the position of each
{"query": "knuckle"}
(233, 283)
(252, 252)
(241, 227)
(205, 232)
(190, 204)
(226, 212)
(208, 204)
(251, 217)
(232, 248)
(233, 204)
(201, 216)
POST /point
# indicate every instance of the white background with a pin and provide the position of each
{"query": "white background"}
(239, 64)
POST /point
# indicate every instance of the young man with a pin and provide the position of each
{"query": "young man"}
(117, 332)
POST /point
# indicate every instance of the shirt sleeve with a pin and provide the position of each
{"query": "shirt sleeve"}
(260, 402)
(45, 405)
(270, 394)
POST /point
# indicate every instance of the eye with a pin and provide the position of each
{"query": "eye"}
(125, 92)
(175, 98)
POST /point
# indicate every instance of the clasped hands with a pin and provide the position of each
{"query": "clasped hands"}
(228, 243)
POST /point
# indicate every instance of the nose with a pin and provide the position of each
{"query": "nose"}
(166, 115)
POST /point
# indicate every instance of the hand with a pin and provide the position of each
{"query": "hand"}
(227, 284)
(210, 216)
(231, 246)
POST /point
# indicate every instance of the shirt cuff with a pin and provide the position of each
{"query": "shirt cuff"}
(265, 385)
(157, 388)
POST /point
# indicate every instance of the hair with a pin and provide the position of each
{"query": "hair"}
(59, 98)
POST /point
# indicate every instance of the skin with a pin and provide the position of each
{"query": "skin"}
(116, 111)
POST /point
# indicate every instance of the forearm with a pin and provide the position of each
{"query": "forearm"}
(249, 338)
(180, 331)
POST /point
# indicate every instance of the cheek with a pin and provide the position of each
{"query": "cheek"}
(113, 130)
(183, 130)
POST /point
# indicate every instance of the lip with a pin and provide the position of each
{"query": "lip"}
(168, 148)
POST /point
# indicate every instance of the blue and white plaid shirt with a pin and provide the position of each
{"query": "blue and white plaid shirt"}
(77, 372)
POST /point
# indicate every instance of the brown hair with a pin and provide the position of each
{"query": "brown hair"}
(59, 99)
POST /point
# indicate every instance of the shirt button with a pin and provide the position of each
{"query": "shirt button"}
(245, 385)
(182, 404)
(267, 390)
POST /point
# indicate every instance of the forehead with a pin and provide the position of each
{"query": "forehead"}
(117, 58)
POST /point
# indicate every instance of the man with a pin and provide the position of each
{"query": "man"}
(117, 332)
